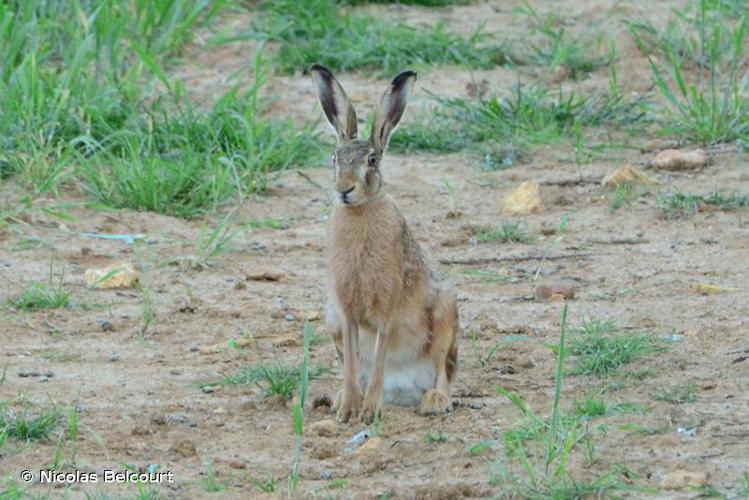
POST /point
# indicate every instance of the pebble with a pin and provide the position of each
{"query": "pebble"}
(114, 357)
(681, 478)
(177, 418)
(371, 445)
(106, 326)
(208, 389)
(290, 317)
(43, 378)
(28, 373)
(326, 475)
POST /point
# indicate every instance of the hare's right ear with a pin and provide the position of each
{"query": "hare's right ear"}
(336, 105)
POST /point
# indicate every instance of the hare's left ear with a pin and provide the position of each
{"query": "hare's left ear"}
(390, 110)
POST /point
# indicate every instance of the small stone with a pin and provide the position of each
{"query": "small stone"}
(672, 159)
(47, 374)
(208, 389)
(177, 418)
(326, 475)
(523, 200)
(681, 478)
(186, 448)
(114, 357)
(28, 373)
(264, 276)
(158, 419)
(371, 445)
(627, 173)
(313, 315)
(287, 341)
(237, 464)
(554, 292)
(325, 428)
(43, 378)
(235, 313)
(525, 362)
(219, 411)
(289, 317)
(106, 326)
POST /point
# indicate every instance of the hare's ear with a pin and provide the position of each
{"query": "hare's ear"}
(390, 110)
(336, 105)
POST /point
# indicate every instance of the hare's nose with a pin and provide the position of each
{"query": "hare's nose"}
(344, 195)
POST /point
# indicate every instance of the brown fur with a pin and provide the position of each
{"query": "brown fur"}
(380, 283)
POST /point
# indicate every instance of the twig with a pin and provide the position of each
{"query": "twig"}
(516, 258)
(310, 180)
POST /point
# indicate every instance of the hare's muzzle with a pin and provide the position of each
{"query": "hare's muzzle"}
(344, 195)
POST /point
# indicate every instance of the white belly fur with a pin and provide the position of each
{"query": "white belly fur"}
(407, 376)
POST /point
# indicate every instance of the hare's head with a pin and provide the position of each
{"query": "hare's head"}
(356, 162)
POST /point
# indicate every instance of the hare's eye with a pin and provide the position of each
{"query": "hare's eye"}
(372, 160)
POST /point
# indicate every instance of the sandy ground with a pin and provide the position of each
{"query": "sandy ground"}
(141, 398)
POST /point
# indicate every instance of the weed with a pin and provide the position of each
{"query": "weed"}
(43, 295)
(298, 411)
(266, 486)
(509, 232)
(678, 395)
(436, 436)
(678, 203)
(543, 448)
(318, 31)
(211, 483)
(213, 243)
(590, 408)
(625, 193)
(25, 426)
(601, 348)
(715, 107)
(481, 447)
(425, 3)
(558, 49)
(743, 487)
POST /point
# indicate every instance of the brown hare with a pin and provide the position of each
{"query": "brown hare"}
(394, 323)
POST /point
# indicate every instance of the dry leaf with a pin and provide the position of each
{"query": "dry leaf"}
(627, 173)
(524, 199)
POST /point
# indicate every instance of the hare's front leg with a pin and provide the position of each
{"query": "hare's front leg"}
(351, 398)
(374, 395)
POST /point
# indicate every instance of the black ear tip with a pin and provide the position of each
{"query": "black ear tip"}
(318, 67)
(404, 77)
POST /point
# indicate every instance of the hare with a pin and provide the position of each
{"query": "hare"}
(393, 321)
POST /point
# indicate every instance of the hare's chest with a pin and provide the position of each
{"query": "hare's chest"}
(364, 271)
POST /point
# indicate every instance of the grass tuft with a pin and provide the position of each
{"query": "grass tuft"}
(25, 426)
(602, 348)
(678, 395)
(509, 232)
(678, 203)
(712, 107)
(320, 31)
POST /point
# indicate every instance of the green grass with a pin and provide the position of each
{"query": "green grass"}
(509, 232)
(677, 395)
(265, 486)
(424, 3)
(602, 348)
(539, 450)
(552, 46)
(713, 105)
(436, 436)
(211, 483)
(297, 410)
(47, 295)
(79, 104)
(274, 379)
(678, 203)
(626, 193)
(319, 31)
(26, 426)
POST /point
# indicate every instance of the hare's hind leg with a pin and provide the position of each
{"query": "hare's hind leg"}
(444, 353)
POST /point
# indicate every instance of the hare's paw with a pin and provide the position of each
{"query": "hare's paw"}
(348, 405)
(370, 410)
(434, 402)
